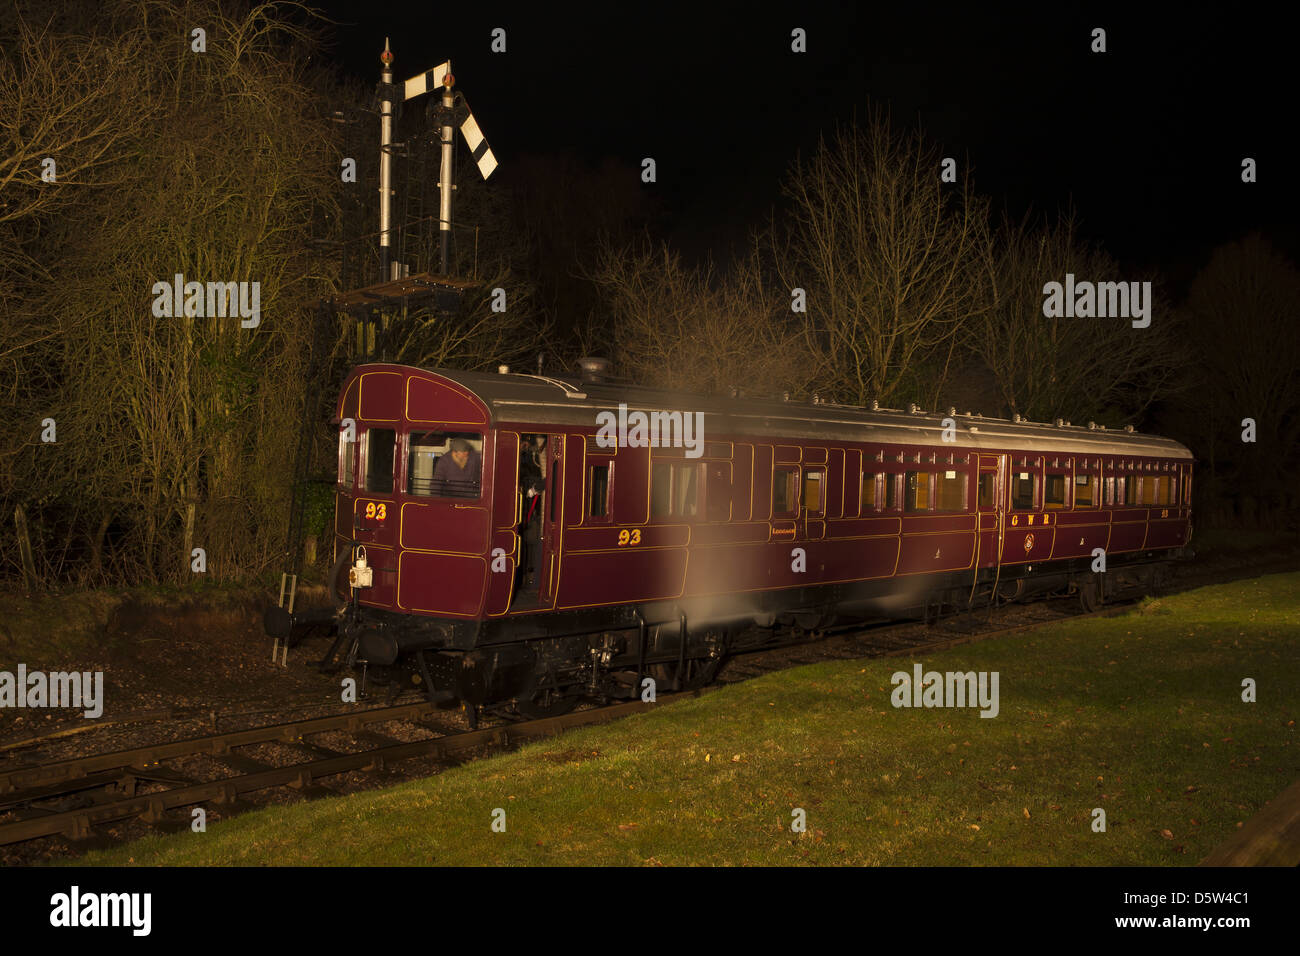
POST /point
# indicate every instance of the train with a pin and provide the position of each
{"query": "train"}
(528, 541)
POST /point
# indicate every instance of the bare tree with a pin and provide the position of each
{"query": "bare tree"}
(1240, 323)
(498, 322)
(695, 329)
(68, 106)
(1066, 366)
(172, 430)
(887, 255)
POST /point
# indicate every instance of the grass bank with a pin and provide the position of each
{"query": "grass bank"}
(61, 630)
(1139, 715)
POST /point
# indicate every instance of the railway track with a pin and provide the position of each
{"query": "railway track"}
(238, 711)
(897, 640)
(72, 797)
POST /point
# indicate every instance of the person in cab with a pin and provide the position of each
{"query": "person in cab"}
(458, 472)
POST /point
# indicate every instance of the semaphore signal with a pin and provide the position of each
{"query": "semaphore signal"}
(450, 111)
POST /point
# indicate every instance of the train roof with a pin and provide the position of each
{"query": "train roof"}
(538, 399)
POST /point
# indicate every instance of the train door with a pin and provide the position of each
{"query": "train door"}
(375, 516)
(990, 509)
(539, 488)
(812, 503)
(552, 507)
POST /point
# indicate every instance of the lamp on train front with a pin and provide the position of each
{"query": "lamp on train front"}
(360, 575)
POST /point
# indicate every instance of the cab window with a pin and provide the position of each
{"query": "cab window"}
(444, 464)
(598, 491)
(380, 443)
(347, 458)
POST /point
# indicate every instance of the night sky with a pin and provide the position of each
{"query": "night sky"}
(1146, 139)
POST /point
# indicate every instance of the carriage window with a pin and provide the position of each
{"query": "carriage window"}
(812, 492)
(868, 491)
(684, 489)
(891, 492)
(1083, 491)
(347, 457)
(598, 491)
(1172, 497)
(950, 491)
(1162, 489)
(444, 464)
(783, 491)
(1054, 491)
(1145, 490)
(717, 493)
(661, 489)
(1120, 489)
(918, 491)
(986, 489)
(379, 459)
(674, 489)
(1022, 491)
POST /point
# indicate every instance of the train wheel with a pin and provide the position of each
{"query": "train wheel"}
(547, 702)
(705, 670)
(700, 671)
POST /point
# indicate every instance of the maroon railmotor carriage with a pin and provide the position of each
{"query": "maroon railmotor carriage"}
(630, 560)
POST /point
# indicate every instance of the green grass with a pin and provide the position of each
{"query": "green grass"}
(1140, 715)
